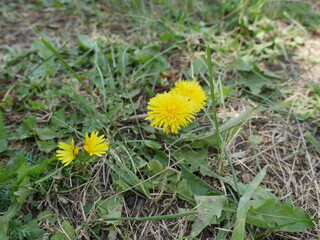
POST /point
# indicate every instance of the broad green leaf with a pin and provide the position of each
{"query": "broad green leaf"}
(19, 57)
(185, 192)
(161, 157)
(269, 213)
(41, 167)
(146, 53)
(14, 168)
(254, 82)
(86, 42)
(152, 144)
(26, 129)
(197, 185)
(155, 166)
(110, 208)
(46, 133)
(196, 159)
(46, 146)
(43, 51)
(166, 37)
(59, 117)
(23, 191)
(243, 206)
(199, 66)
(210, 209)
(246, 63)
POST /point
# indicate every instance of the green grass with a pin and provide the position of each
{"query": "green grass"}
(97, 70)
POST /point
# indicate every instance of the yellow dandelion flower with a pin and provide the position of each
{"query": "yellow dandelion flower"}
(68, 152)
(95, 145)
(170, 111)
(192, 90)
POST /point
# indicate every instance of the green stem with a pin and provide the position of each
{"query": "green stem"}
(215, 120)
(213, 98)
(152, 218)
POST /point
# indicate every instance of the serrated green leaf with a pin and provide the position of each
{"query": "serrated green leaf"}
(210, 209)
(26, 129)
(185, 192)
(197, 160)
(246, 63)
(46, 146)
(59, 117)
(110, 208)
(14, 166)
(197, 185)
(46, 133)
(269, 213)
(23, 190)
(254, 82)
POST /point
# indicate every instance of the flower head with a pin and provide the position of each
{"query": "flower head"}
(95, 145)
(170, 111)
(68, 152)
(192, 90)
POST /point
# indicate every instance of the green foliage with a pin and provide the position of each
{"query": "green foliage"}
(210, 210)
(61, 89)
(110, 208)
(3, 135)
(269, 213)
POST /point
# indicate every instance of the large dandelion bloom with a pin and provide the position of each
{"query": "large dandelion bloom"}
(192, 90)
(95, 145)
(170, 111)
(68, 152)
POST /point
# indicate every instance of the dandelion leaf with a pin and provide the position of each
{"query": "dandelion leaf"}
(210, 209)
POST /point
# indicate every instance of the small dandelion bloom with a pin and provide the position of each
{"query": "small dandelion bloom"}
(95, 145)
(68, 152)
(192, 90)
(170, 111)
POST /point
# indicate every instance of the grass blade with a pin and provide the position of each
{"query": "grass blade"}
(244, 204)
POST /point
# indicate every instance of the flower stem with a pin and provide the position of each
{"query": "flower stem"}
(213, 98)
